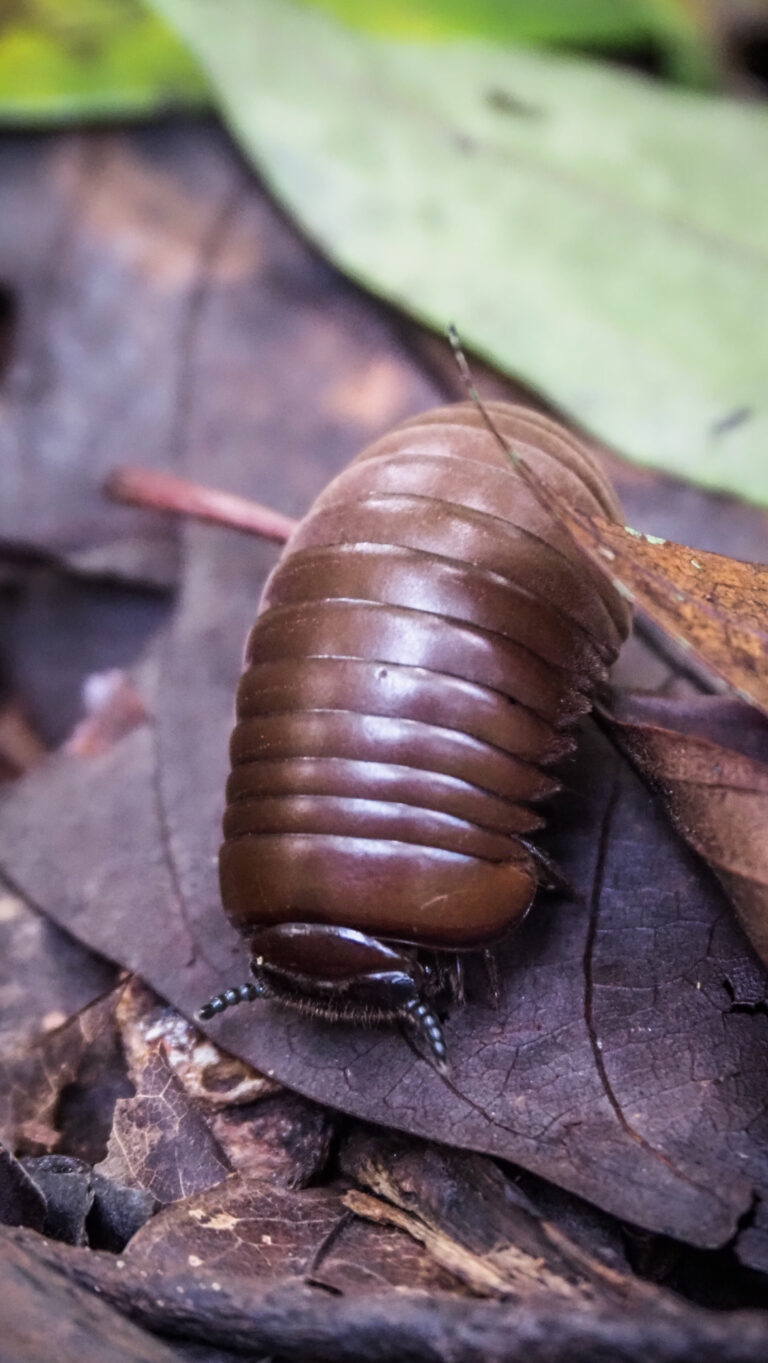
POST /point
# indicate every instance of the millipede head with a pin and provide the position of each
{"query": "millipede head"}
(337, 973)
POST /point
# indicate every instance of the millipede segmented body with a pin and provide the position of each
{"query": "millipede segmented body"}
(423, 650)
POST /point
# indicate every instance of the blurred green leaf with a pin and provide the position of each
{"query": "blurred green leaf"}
(63, 59)
(601, 237)
(678, 28)
(530, 21)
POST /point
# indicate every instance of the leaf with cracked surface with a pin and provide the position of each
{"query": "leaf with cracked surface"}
(614, 1065)
(605, 1068)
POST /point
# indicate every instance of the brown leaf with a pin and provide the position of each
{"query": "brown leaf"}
(62, 1089)
(282, 1139)
(246, 1227)
(363, 1259)
(160, 1141)
(716, 796)
(242, 1226)
(205, 1072)
(712, 604)
(198, 1112)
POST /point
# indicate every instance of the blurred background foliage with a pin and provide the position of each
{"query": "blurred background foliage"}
(74, 59)
(676, 33)
(63, 59)
(600, 236)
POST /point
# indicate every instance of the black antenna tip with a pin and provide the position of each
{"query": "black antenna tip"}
(228, 998)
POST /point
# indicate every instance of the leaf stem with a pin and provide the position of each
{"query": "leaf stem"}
(167, 492)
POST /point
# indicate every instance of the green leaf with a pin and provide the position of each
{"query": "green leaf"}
(530, 21)
(603, 238)
(674, 26)
(64, 59)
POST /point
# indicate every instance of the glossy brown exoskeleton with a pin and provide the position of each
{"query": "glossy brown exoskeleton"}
(423, 650)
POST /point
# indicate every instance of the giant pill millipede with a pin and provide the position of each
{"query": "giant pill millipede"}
(423, 649)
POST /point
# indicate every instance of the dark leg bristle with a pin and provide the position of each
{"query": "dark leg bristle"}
(228, 998)
(492, 971)
(458, 988)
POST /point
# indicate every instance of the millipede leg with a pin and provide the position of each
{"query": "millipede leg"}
(241, 993)
(555, 878)
(492, 971)
(458, 989)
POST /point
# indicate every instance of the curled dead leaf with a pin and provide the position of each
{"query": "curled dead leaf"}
(708, 759)
(714, 605)
(711, 604)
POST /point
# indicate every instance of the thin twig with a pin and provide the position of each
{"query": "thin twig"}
(167, 492)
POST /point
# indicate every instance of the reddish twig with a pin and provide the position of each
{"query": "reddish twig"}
(165, 492)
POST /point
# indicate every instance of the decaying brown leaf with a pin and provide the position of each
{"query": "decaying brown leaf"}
(160, 1140)
(251, 1228)
(206, 1073)
(64, 1084)
(708, 758)
(712, 604)
(282, 1138)
(257, 1125)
